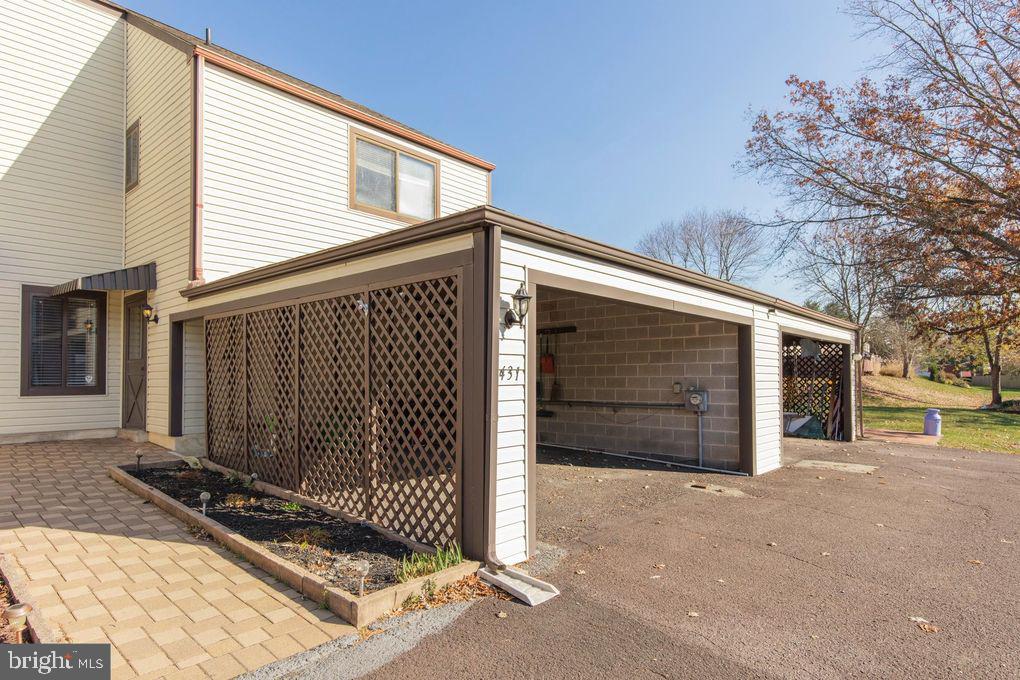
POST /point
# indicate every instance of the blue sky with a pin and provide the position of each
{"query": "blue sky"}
(602, 118)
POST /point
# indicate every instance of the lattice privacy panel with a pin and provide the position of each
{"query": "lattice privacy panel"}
(272, 395)
(814, 385)
(333, 402)
(225, 393)
(414, 388)
(353, 401)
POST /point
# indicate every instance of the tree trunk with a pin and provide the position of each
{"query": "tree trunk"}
(906, 366)
(996, 377)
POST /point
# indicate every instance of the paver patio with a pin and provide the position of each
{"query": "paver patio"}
(105, 566)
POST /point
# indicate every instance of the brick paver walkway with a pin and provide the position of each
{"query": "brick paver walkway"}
(104, 566)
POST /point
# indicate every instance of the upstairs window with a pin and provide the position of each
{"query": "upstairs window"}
(131, 157)
(63, 343)
(391, 181)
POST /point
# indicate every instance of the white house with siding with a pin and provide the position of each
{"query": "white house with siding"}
(204, 252)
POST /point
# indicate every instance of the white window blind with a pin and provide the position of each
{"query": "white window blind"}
(81, 342)
(64, 344)
(417, 187)
(375, 182)
(47, 342)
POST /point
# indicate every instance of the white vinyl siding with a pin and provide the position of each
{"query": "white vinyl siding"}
(511, 437)
(158, 229)
(61, 187)
(519, 256)
(194, 376)
(276, 177)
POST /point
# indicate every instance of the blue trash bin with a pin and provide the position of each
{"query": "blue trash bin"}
(933, 423)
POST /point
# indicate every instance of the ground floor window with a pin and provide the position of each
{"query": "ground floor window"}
(63, 342)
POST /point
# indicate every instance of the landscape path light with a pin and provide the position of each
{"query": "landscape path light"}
(17, 617)
(363, 568)
(204, 497)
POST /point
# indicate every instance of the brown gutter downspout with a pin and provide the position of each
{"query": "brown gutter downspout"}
(493, 234)
(198, 101)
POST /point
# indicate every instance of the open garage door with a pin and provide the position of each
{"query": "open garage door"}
(352, 400)
(816, 388)
(630, 380)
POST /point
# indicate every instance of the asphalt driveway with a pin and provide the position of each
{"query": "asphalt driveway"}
(810, 573)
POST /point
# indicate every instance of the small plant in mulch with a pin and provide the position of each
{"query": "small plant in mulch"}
(240, 500)
(422, 564)
(309, 536)
(291, 506)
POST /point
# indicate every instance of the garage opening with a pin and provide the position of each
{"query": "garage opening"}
(816, 388)
(352, 400)
(629, 380)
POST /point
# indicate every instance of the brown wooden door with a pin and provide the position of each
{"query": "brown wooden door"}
(133, 406)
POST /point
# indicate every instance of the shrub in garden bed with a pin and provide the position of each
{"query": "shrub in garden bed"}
(327, 546)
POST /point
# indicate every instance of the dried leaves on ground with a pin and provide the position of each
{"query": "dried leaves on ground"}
(466, 589)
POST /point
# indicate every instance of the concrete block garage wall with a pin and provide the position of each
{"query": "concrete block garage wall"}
(629, 353)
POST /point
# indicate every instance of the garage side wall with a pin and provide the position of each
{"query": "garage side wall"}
(627, 353)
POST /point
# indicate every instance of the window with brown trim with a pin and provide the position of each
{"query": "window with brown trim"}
(131, 157)
(392, 181)
(63, 342)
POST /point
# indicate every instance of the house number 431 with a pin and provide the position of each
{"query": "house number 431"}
(510, 372)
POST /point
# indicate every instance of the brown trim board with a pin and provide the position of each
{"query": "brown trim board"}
(531, 422)
(296, 90)
(176, 379)
(102, 321)
(487, 216)
(491, 239)
(747, 399)
(375, 277)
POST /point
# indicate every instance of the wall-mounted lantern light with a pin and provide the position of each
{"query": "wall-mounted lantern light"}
(88, 325)
(149, 313)
(519, 308)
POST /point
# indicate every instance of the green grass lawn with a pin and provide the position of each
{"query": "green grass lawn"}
(899, 404)
(962, 428)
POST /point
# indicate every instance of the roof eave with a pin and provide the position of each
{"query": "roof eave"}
(475, 218)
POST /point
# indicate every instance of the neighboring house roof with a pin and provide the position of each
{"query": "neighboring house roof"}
(217, 54)
(510, 224)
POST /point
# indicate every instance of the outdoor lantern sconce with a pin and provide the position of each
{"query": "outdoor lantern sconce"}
(519, 309)
(149, 313)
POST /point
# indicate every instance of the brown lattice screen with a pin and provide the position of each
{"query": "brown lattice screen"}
(352, 400)
(813, 385)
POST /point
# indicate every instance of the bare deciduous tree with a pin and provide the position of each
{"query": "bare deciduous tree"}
(897, 338)
(835, 265)
(723, 243)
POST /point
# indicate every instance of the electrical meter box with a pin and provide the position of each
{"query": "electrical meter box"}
(696, 400)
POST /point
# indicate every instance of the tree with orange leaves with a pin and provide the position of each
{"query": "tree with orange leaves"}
(926, 161)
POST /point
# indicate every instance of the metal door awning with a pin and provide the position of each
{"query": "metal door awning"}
(140, 277)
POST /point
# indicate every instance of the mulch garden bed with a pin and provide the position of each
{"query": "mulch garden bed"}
(327, 546)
